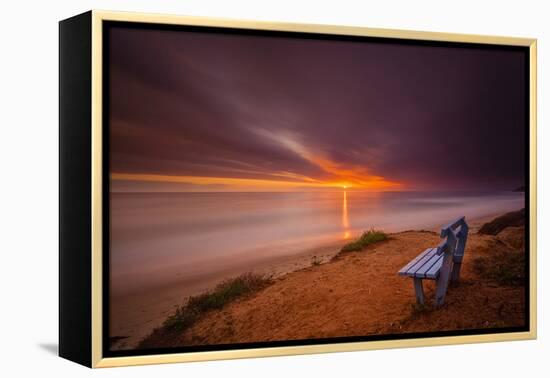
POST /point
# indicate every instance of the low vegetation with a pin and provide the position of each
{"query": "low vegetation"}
(520, 189)
(420, 308)
(189, 313)
(115, 339)
(512, 219)
(315, 261)
(505, 267)
(369, 237)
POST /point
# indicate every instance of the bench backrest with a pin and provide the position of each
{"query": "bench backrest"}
(455, 234)
(453, 247)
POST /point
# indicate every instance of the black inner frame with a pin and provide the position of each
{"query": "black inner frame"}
(108, 25)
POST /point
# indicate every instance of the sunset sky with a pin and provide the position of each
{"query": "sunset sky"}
(210, 112)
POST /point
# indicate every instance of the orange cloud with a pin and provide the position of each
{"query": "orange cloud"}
(229, 182)
(337, 175)
(349, 176)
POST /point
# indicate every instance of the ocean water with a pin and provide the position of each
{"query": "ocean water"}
(157, 238)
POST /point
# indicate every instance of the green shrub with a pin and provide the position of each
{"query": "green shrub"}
(369, 237)
(189, 313)
(223, 293)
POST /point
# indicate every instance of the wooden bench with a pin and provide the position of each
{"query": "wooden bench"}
(441, 263)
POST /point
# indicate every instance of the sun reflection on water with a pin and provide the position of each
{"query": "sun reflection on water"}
(345, 219)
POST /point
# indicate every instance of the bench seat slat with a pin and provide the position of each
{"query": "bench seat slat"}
(421, 272)
(433, 272)
(411, 263)
(411, 268)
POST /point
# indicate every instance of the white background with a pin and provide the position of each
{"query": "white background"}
(29, 188)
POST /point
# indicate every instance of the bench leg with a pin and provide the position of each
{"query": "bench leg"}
(419, 290)
(441, 289)
(455, 275)
(443, 279)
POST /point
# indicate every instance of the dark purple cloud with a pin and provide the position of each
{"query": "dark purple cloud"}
(202, 104)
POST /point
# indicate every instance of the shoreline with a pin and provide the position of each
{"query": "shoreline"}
(146, 310)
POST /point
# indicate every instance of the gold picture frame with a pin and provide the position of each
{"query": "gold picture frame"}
(90, 328)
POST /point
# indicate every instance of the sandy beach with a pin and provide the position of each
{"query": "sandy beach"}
(135, 315)
(317, 294)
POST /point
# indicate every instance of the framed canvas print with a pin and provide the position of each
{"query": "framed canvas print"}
(237, 188)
